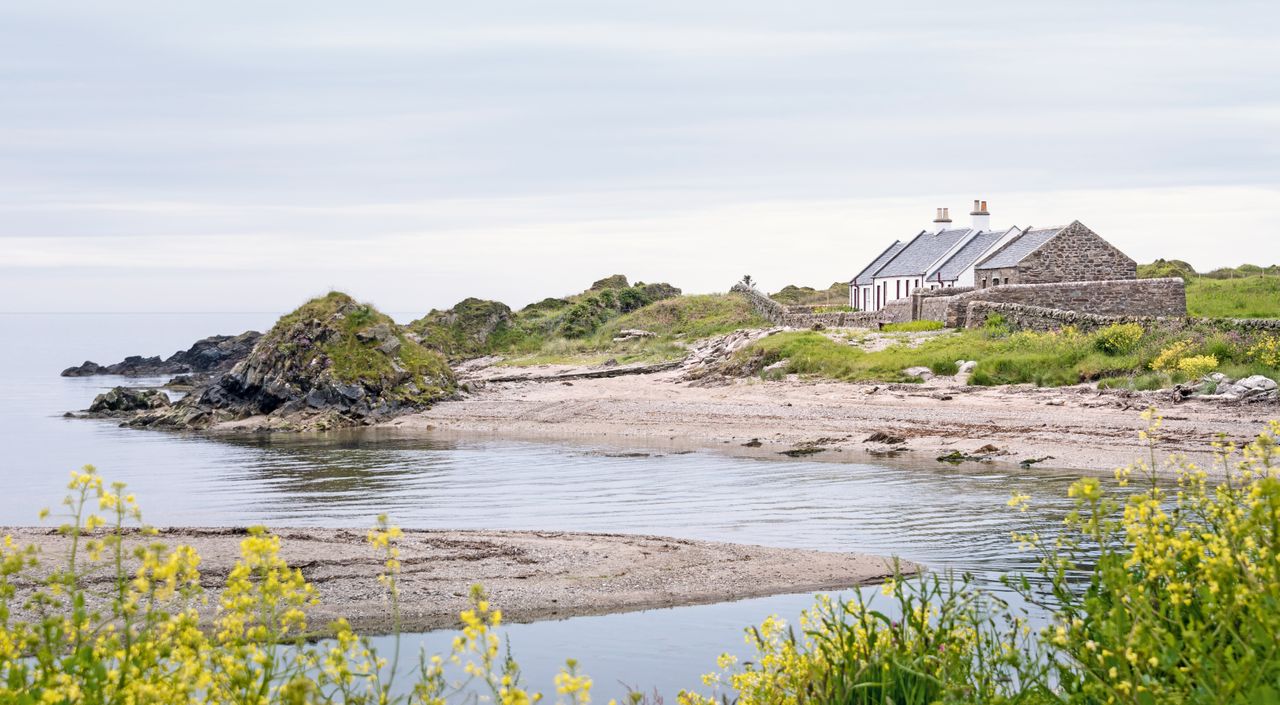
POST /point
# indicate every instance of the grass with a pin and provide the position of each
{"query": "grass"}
(673, 321)
(1043, 359)
(912, 326)
(1255, 296)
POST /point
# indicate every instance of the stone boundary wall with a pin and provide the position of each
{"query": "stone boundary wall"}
(1117, 297)
(804, 316)
(898, 311)
(1023, 317)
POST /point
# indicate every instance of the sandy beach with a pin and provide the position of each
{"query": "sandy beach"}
(529, 575)
(1076, 428)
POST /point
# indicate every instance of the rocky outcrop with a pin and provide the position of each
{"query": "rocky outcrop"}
(332, 362)
(466, 330)
(119, 400)
(217, 353)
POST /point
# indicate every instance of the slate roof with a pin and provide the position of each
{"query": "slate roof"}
(921, 252)
(967, 255)
(864, 277)
(1020, 247)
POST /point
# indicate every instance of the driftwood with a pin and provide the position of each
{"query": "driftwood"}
(594, 374)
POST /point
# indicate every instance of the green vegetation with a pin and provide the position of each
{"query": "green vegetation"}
(362, 345)
(1256, 296)
(1247, 291)
(673, 322)
(1117, 356)
(912, 326)
(835, 295)
(1148, 595)
(476, 327)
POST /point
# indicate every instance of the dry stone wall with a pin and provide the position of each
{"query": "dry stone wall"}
(804, 316)
(1023, 317)
(1121, 297)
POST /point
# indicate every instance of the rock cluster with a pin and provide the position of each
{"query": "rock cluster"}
(119, 400)
(633, 334)
(332, 362)
(217, 353)
(1222, 387)
(713, 359)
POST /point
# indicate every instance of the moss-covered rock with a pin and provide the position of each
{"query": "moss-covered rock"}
(471, 328)
(330, 358)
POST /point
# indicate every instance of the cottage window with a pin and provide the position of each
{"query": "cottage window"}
(995, 281)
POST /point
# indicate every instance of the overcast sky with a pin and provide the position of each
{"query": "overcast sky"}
(242, 156)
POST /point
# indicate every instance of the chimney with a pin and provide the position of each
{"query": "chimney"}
(981, 218)
(942, 221)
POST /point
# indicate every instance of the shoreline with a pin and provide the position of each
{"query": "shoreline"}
(1071, 428)
(530, 575)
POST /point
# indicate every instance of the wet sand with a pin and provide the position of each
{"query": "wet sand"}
(529, 575)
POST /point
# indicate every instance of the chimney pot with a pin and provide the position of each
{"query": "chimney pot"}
(980, 219)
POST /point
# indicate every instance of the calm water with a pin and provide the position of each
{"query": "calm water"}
(935, 514)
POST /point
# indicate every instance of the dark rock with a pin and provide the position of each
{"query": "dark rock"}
(886, 438)
(217, 353)
(87, 369)
(125, 399)
(753, 443)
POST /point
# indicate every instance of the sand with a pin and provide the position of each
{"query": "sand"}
(1076, 428)
(529, 575)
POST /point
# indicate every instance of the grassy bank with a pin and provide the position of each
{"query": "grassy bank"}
(674, 322)
(1247, 291)
(1119, 356)
(1256, 296)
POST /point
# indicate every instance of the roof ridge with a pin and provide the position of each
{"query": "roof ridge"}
(875, 259)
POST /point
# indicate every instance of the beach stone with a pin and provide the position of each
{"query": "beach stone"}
(965, 366)
(1258, 383)
(922, 372)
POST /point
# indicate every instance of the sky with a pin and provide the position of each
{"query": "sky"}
(244, 156)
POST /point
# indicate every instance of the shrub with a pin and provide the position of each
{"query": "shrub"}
(1197, 366)
(1167, 360)
(1118, 338)
(1265, 351)
(996, 325)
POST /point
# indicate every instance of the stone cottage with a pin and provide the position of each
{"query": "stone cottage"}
(1073, 253)
(978, 256)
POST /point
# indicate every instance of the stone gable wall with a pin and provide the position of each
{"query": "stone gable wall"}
(1074, 255)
